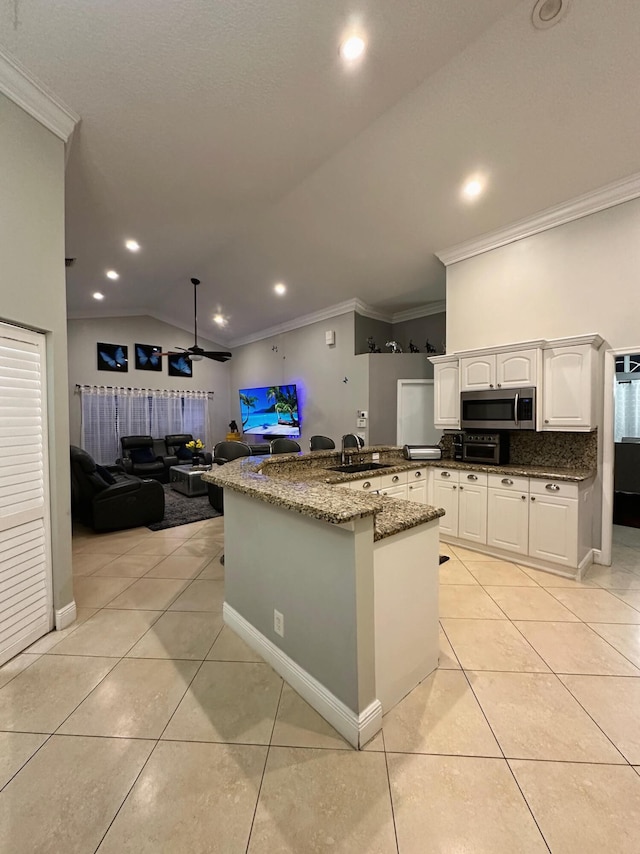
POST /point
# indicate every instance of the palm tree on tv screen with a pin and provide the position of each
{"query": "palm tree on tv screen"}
(248, 400)
(286, 403)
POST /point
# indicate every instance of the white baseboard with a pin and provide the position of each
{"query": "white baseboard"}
(65, 616)
(597, 557)
(356, 729)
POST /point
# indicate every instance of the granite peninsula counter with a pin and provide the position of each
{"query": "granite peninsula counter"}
(337, 590)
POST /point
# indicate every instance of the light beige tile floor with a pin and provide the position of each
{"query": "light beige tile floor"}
(149, 728)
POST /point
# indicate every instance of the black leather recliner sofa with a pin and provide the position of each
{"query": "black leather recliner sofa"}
(108, 499)
(146, 457)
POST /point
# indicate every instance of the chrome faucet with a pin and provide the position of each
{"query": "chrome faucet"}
(349, 440)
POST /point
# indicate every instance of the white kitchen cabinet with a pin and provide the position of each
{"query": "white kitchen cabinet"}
(553, 529)
(445, 494)
(399, 491)
(472, 512)
(569, 388)
(518, 369)
(508, 520)
(515, 369)
(446, 392)
(478, 372)
(369, 484)
(417, 492)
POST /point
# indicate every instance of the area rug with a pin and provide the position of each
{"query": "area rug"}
(179, 509)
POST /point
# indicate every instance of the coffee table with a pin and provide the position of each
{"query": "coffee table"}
(188, 479)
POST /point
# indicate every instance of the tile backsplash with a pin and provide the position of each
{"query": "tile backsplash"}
(559, 450)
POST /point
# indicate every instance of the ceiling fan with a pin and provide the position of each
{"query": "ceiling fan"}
(196, 353)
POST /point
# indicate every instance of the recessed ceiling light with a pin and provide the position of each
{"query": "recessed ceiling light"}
(219, 319)
(132, 245)
(472, 189)
(98, 295)
(352, 48)
(111, 274)
(280, 289)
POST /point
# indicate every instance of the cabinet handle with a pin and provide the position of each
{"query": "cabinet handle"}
(410, 487)
(384, 493)
(507, 481)
(366, 484)
(418, 474)
(490, 385)
(472, 477)
(553, 487)
(445, 474)
(524, 497)
(499, 385)
(461, 488)
(455, 487)
(546, 420)
(533, 498)
(395, 478)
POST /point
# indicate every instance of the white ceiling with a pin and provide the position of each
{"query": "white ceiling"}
(229, 140)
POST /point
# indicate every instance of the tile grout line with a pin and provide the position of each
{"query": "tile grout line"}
(264, 767)
(393, 812)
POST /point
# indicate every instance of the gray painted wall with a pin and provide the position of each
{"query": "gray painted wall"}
(380, 331)
(207, 375)
(328, 405)
(432, 327)
(33, 292)
(311, 572)
(385, 369)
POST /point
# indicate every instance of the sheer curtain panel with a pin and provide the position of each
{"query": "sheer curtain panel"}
(99, 434)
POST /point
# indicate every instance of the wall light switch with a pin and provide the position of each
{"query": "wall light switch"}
(362, 422)
(330, 337)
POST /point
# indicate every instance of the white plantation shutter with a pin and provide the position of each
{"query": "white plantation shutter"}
(25, 570)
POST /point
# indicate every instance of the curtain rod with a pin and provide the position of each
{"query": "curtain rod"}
(80, 387)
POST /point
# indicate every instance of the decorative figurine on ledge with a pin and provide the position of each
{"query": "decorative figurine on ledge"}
(430, 348)
(394, 346)
(412, 347)
(234, 434)
(371, 344)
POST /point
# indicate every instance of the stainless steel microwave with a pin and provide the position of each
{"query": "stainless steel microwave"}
(498, 409)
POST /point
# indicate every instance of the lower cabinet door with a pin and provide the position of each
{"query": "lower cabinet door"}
(472, 513)
(418, 492)
(553, 529)
(445, 495)
(508, 520)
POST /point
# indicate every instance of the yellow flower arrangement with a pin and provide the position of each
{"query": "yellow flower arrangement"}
(195, 446)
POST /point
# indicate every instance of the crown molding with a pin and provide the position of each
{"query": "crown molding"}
(23, 89)
(304, 320)
(421, 311)
(608, 196)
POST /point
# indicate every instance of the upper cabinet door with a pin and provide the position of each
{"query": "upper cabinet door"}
(568, 400)
(446, 391)
(517, 370)
(477, 372)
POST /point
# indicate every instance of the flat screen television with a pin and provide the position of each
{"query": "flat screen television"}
(270, 411)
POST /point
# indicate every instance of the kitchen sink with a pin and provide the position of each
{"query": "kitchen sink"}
(356, 467)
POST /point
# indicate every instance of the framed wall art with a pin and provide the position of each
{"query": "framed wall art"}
(148, 357)
(179, 365)
(113, 357)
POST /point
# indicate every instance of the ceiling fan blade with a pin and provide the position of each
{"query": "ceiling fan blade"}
(217, 357)
(174, 351)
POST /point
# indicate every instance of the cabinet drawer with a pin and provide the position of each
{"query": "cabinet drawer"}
(390, 480)
(368, 485)
(417, 476)
(508, 482)
(477, 478)
(445, 475)
(559, 488)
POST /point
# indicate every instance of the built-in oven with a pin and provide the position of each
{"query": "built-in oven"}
(498, 409)
(489, 448)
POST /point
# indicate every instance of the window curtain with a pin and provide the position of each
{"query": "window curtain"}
(99, 435)
(627, 409)
(111, 412)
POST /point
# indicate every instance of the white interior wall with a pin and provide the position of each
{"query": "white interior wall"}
(32, 292)
(83, 336)
(577, 278)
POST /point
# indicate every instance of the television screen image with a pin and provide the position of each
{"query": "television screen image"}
(270, 411)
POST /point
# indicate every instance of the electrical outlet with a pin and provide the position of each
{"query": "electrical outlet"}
(375, 456)
(278, 623)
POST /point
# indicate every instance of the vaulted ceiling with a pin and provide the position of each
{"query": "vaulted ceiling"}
(230, 140)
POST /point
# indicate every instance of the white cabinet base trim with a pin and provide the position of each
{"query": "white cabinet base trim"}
(357, 729)
(523, 560)
(65, 616)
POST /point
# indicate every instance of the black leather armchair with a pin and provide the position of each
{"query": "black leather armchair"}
(108, 499)
(321, 443)
(223, 453)
(285, 446)
(145, 457)
(174, 442)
